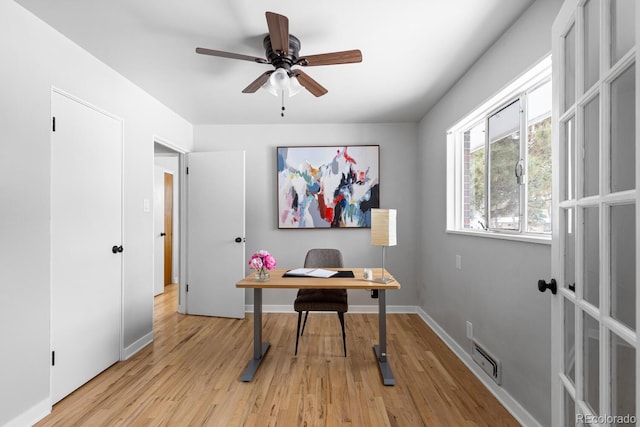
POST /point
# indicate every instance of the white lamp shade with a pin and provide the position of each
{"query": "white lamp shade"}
(269, 88)
(383, 227)
(295, 87)
(279, 79)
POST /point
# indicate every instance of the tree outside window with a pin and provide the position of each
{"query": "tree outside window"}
(506, 165)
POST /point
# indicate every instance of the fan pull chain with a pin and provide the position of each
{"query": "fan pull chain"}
(282, 113)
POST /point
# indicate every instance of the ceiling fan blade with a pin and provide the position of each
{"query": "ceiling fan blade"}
(257, 83)
(231, 55)
(344, 57)
(311, 85)
(278, 32)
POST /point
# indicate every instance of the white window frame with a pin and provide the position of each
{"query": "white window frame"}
(455, 149)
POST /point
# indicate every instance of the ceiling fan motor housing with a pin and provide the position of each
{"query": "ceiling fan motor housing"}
(279, 60)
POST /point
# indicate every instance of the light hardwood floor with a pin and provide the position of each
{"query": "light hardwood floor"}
(189, 376)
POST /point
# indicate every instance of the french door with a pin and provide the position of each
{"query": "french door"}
(594, 354)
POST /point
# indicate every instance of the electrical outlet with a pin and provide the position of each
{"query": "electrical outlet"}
(458, 262)
(469, 330)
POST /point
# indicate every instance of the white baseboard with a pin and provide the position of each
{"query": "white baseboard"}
(518, 412)
(32, 415)
(138, 345)
(288, 308)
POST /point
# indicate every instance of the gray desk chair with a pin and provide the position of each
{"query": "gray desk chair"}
(322, 299)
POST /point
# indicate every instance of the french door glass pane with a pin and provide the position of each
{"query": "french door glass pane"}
(623, 33)
(623, 130)
(504, 153)
(570, 156)
(623, 376)
(569, 340)
(592, 43)
(570, 68)
(623, 264)
(591, 362)
(569, 249)
(591, 150)
(591, 258)
(569, 409)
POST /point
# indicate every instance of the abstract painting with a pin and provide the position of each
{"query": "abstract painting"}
(328, 187)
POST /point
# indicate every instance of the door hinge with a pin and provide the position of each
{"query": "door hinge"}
(53, 124)
(187, 287)
(53, 358)
(187, 171)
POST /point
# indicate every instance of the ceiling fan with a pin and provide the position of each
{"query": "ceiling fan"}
(282, 51)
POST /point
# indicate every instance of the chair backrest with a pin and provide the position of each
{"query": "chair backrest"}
(323, 258)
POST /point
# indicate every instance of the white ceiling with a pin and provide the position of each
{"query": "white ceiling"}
(413, 52)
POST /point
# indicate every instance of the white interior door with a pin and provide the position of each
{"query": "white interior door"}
(86, 224)
(595, 231)
(215, 233)
(158, 229)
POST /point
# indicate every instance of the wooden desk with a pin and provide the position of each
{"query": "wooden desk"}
(278, 282)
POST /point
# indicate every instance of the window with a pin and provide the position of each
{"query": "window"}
(499, 162)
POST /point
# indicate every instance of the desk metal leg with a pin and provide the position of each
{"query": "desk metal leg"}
(381, 349)
(259, 348)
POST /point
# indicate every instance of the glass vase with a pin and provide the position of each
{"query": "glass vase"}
(262, 276)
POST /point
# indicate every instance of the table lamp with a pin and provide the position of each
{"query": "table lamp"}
(383, 233)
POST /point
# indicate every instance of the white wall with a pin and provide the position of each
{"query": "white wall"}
(34, 58)
(496, 289)
(398, 189)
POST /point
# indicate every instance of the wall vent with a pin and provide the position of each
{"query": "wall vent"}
(487, 362)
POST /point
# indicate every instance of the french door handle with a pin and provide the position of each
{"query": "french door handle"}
(117, 249)
(552, 286)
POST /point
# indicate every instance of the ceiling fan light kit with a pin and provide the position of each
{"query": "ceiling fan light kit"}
(279, 79)
(280, 83)
(294, 86)
(282, 52)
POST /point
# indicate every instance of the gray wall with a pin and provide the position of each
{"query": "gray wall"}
(496, 288)
(35, 58)
(398, 189)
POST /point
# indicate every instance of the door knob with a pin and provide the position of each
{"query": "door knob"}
(116, 249)
(163, 234)
(552, 286)
(239, 239)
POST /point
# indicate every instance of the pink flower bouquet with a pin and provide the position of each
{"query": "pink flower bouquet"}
(261, 261)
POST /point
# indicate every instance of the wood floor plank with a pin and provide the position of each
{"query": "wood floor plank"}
(189, 376)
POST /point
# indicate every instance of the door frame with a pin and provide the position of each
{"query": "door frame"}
(181, 209)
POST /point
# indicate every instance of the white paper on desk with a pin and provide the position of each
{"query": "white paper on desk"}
(311, 272)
